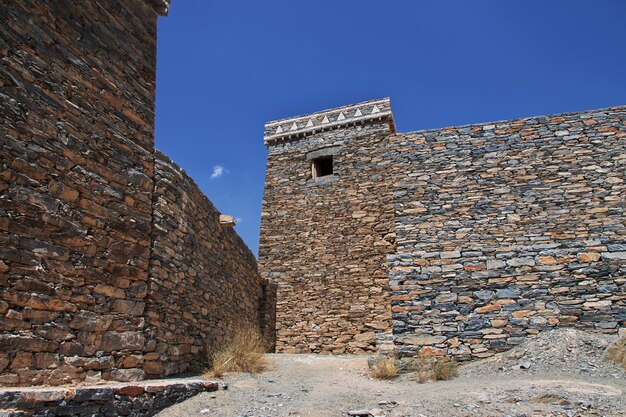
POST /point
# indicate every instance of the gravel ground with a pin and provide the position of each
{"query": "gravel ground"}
(563, 351)
(558, 373)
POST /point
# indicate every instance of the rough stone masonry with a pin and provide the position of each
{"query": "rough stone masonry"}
(325, 241)
(457, 241)
(113, 264)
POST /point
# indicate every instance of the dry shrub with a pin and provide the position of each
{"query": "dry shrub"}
(244, 353)
(445, 371)
(431, 369)
(385, 367)
(422, 367)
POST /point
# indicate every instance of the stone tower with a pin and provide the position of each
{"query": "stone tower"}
(327, 228)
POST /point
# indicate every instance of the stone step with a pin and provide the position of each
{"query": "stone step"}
(145, 398)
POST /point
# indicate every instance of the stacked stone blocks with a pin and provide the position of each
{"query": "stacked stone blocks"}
(90, 238)
(505, 229)
(324, 241)
(204, 283)
(499, 230)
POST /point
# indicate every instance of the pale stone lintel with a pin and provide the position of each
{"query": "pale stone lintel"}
(293, 127)
(162, 7)
(331, 150)
(227, 221)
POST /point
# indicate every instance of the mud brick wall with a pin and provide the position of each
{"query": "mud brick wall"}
(324, 241)
(506, 229)
(204, 283)
(77, 84)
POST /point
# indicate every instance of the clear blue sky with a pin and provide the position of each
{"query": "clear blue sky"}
(226, 67)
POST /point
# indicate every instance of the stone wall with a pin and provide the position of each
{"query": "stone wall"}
(499, 230)
(76, 109)
(204, 283)
(77, 239)
(508, 228)
(324, 241)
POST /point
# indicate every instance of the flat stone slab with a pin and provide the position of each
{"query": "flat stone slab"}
(144, 398)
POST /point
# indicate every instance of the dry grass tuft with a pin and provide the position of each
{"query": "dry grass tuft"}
(431, 369)
(244, 353)
(445, 371)
(423, 369)
(385, 367)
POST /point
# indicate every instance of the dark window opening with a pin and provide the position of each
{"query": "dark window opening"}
(322, 167)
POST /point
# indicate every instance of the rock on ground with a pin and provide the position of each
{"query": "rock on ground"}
(616, 352)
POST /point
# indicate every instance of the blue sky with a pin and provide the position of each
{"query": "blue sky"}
(226, 67)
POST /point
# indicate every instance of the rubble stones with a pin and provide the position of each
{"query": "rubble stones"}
(551, 352)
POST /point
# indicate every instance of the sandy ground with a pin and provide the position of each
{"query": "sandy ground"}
(560, 380)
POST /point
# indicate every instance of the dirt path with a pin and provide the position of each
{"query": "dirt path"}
(320, 386)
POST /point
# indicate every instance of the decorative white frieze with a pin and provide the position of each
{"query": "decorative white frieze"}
(293, 127)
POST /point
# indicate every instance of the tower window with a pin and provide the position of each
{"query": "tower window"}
(321, 167)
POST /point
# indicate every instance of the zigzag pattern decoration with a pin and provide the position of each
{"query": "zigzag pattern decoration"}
(293, 127)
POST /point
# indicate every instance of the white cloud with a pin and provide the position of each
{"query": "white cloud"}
(218, 171)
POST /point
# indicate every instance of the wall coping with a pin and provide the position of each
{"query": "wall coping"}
(293, 127)
(587, 114)
(162, 7)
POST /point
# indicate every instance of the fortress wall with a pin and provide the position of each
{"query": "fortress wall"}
(324, 241)
(508, 228)
(77, 85)
(77, 304)
(204, 283)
